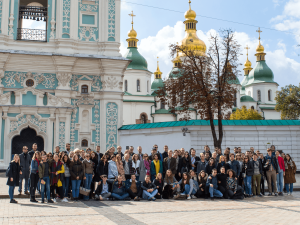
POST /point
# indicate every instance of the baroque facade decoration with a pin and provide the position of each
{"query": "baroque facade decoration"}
(62, 140)
(28, 120)
(111, 125)
(111, 20)
(66, 18)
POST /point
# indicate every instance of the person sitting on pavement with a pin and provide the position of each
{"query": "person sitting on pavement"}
(133, 187)
(187, 186)
(159, 183)
(203, 189)
(170, 185)
(102, 191)
(212, 183)
(119, 189)
(149, 189)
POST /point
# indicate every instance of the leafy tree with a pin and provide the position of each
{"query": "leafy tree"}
(206, 82)
(246, 114)
(288, 102)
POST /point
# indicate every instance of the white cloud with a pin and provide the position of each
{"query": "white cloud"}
(125, 6)
(290, 19)
(33, 24)
(158, 45)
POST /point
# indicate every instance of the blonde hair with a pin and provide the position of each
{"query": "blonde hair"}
(16, 155)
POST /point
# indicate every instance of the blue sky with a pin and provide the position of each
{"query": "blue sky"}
(157, 28)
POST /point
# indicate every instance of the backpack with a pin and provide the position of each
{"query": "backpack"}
(7, 171)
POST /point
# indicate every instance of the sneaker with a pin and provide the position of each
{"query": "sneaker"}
(101, 198)
(33, 200)
(188, 198)
(136, 198)
(182, 194)
(281, 194)
(65, 200)
(153, 199)
(26, 193)
(177, 196)
(288, 193)
(260, 195)
(54, 200)
(276, 194)
(291, 193)
(50, 201)
(13, 201)
(194, 197)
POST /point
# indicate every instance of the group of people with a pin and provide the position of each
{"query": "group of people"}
(177, 174)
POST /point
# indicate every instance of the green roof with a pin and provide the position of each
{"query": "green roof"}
(162, 111)
(234, 81)
(247, 98)
(244, 82)
(175, 72)
(138, 62)
(260, 74)
(127, 93)
(156, 84)
(207, 123)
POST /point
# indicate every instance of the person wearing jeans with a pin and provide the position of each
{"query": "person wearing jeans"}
(281, 171)
(44, 173)
(212, 183)
(119, 190)
(247, 169)
(290, 172)
(102, 191)
(66, 181)
(34, 175)
(76, 172)
(149, 189)
(14, 171)
(88, 171)
(25, 161)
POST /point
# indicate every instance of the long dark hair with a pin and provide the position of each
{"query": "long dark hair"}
(170, 178)
(187, 178)
(68, 160)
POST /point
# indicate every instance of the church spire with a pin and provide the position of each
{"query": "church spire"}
(247, 64)
(260, 54)
(157, 73)
(132, 34)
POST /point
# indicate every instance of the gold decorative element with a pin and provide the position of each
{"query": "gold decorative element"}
(260, 54)
(247, 64)
(132, 34)
(192, 42)
(157, 73)
(177, 59)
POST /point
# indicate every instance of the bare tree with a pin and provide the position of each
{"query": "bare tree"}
(205, 83)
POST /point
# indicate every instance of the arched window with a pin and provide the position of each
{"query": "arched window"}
(148, 86)
(252, 107)
(84, 143)
(126, 85)
(258, 96)
(162, 105)
(84, 89)
(269, 95)
(138, 86)
(12, 98)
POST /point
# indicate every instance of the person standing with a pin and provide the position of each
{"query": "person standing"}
(66, 181)
(34, 175)
(165, 153)
(44, 175)
(112, 168)
(201, 164)
(119, 152)
(120, 167)
(234, 165)
(57, 150)
(194, 159)
(184, 164)
(247, 170)
(13, 177)
(140, 153)
(127, 165)
(34, 149)
(280, 174)
(257, 173)
(25, 161)
(99, 155)
(207, 150)
(290, 172)
(156, 167)
(76, 171)
(57, 169)
(88, 171)
(102, 168)
(169, 163)
(271, 168)
(68, 148)
(136, 165)
(144, 167)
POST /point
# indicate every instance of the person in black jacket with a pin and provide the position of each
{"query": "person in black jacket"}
(184, 164)
(222, 182)
(76, 171)
(149, 189)
(13, 177)
(210, 166)
(102, 168)
(222, 163)
(247, 170)
(203, 189)
(159, 183)
(103, 190)
(271, 168)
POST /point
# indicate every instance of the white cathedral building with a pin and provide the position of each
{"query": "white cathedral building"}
(68, 82)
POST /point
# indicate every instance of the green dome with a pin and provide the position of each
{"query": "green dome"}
(247, 98)
(175, 72)
(156, 84)
(234, 81)
(138, 62)
(244, 82)
(260, 74)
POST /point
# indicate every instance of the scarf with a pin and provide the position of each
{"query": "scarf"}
(147, 166)
(55, 167)
(157, 166)
(289, 163)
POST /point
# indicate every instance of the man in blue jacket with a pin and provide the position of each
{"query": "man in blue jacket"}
(212, 182)
(234, 165)
(119, 190)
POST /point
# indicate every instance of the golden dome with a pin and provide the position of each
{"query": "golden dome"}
(191, 41)
(132, 33)
(247, 63)
(260, 48)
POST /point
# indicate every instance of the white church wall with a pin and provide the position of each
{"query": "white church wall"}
(286, 138)
(133, 110)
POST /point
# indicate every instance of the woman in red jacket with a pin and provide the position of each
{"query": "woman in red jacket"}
(280, 174)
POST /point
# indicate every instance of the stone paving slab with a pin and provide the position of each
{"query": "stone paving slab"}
(265, 210)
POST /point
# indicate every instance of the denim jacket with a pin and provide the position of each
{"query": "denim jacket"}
(213, 181)
(34, 167)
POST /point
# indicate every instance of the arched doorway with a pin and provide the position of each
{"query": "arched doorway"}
(27, 137)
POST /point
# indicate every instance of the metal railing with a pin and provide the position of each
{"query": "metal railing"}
(31, 34)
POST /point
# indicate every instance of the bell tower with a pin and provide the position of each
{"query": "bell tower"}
(61, 26)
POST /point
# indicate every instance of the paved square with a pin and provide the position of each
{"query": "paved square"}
(266, 210)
